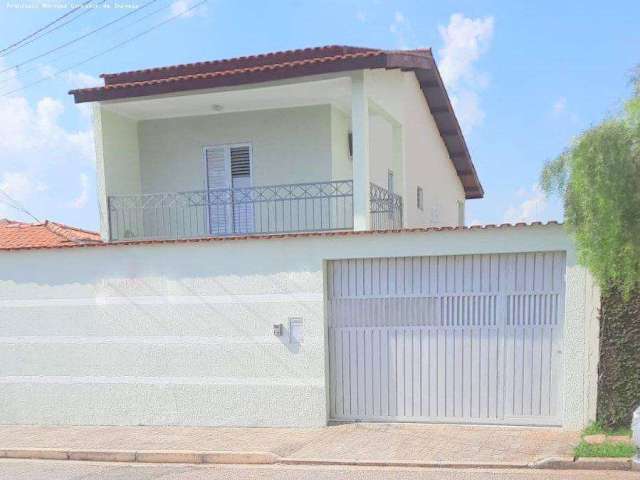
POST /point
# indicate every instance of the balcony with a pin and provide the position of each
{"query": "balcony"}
(272, 209)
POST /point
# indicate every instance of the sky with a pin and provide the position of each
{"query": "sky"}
(525, 79)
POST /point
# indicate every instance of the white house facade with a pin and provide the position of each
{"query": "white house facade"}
(283, 243)
(335, 138)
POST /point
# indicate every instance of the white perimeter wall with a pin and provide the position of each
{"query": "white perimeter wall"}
(181, 333)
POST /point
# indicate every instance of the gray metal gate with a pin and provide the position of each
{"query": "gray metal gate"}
(468, 338)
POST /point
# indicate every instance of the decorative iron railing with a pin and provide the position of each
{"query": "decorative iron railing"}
(386, 208)
(300, 207)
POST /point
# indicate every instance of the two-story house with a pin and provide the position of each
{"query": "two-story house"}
(283, 243)
(331, 138)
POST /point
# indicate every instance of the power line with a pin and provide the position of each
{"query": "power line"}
(110, 49)
(82, 47)
(53, 22)
(75, 40)
(13, 203)
(57, 27)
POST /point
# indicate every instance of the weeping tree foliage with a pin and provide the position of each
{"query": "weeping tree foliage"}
(598, 177)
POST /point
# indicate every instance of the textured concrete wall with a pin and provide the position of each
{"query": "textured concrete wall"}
(182, 333)
(581, 347)
(289, 146)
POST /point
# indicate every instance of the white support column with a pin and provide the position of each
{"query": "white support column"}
(361, 168)
(103, 208)
(399, 168)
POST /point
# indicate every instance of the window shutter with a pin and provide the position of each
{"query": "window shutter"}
(240, 162)
(216, 168)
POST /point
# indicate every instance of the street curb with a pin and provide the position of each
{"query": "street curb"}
(268, 458)
(373, 463)
(595, 463)
(562, 462)
(143, 456)
(603, 463)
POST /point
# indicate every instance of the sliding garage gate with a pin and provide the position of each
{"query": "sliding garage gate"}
(469, 338)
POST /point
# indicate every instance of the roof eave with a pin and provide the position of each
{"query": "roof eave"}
(419, 61)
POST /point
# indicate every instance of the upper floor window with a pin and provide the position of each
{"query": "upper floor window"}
(420, 198)
(390, 181)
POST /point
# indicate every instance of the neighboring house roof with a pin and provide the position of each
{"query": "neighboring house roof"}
(299, 63)
(273, 236)
(20, 235)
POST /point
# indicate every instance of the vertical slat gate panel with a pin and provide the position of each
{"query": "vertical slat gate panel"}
(473, 338)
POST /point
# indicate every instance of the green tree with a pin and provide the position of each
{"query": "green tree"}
(598, 177)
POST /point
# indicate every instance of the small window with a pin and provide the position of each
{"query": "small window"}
(350, 140)
(390, 181)
(420, 198)
(461, 213)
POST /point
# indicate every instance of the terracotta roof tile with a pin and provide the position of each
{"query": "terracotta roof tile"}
(343, 233)
(138, 79)
(295, 64)
(20, 235)
(236, 63)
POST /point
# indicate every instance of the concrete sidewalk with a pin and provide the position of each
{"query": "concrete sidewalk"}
(349, 444)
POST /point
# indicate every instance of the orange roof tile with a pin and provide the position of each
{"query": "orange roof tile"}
(18, 235)
(290, 64)
(272, 236)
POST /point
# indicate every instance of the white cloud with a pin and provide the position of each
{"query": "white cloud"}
(19, 187)
(361, 16)
(81, 80)
(81, 200)
(402, 31)
(182, 8)
(465, 41)
(73, 79)
(36, 133)
(46, 71)
(559, 106)
(467, 107)
(532, 207)
(36, 147)
(560, 109)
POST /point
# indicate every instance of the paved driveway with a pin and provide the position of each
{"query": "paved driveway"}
(67, 470)
(449, 444)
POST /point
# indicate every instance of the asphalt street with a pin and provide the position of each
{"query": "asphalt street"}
(67, 470)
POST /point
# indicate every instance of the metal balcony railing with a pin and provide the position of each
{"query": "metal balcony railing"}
(300, 207)
(386, 208)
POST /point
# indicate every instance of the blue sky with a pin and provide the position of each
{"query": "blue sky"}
(526, 77)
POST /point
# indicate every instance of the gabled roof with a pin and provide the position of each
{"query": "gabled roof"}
(18, 235)
(299, 63)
